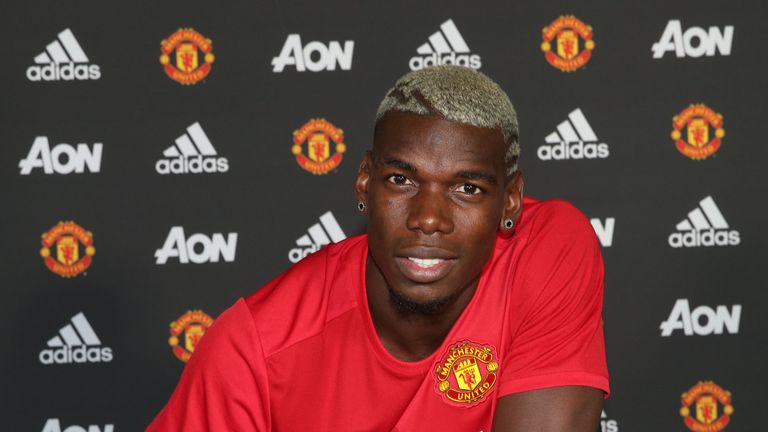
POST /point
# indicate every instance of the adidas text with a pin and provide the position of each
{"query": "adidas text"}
(577, 150)
(198, 248)
(608, 425)
(708, 237)
(695, 42)
(76, 342)
(63, 60)
(573, 139)
(445, 47)
(314, 56)
(193, 153)
(80, 354)
(51, 160)
(53, 425)
(690, 322)
(192, 165)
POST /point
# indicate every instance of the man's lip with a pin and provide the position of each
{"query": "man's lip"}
(426, 252)
(424, 275)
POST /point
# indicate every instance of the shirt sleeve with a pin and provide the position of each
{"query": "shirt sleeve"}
(560, 340)
(223, 387)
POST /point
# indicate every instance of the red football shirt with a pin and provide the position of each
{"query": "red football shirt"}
(301, 353)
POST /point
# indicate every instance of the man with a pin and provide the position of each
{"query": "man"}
(465, 307)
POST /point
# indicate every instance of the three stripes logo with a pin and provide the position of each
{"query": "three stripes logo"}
(704, 226)
(445, 46)
(573, 139)
(193, 153)
(75, 343)
(63, 59)
(318, 235)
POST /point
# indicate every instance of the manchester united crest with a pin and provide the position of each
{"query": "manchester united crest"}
(324, 146)
(466, 373)
(698, 131)
(67, 249)
(186, 333)
(706, 407)
(567, 43)
(186, 56)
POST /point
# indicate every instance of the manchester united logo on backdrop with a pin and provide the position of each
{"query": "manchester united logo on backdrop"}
(187, 56)
(698, 131)
(567, 43)
(324, 146)
(67, 249)
(706, 407)
(466, 373)
(186, 333)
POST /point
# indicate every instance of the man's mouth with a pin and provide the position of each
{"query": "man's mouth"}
(424, 270)
(426, 262)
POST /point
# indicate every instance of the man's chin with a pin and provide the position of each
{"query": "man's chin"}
(405, 304)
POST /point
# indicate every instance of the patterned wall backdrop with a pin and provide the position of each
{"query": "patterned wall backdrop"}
(158, 160)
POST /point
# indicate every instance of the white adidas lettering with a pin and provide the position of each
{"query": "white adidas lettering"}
(573, 139)
(445, 46)
(63, 59)
(75, 343)
(193, 153)
(320, 234)
(704, 226)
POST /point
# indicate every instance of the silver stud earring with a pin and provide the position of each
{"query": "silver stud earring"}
(508, 224)
(361, 206)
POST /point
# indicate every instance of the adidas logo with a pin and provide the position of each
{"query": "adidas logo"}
(573, 139)
(445, 46)
(704, 226)
(193, 153)
(607, 424)
(63, 59)
(75, 343)
(319, 235)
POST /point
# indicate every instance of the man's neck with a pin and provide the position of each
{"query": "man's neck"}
(410, 336)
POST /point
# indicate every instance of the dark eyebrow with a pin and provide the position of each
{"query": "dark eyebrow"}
(398, 164)
(475, 175)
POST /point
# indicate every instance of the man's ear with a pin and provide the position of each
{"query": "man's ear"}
(363, 178)
(513, 201)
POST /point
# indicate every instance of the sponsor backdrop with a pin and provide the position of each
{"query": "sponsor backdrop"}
(158, 162)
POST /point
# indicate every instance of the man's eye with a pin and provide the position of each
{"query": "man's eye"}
(469, 189)
(399, 179)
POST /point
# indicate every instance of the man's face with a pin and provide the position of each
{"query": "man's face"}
(436, 193)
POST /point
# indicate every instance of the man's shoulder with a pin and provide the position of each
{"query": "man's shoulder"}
(297, 303)
(554, 219)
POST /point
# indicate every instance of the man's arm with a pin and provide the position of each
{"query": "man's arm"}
(555, 409)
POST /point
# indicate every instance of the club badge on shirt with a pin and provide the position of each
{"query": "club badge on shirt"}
(466, 373)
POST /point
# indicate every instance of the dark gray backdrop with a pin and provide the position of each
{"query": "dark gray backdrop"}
(249, 113)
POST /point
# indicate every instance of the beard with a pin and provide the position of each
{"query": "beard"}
(408, 306)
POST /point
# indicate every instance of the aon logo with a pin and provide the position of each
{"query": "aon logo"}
(197, 248)
(701, 321)
(53, 425)
(62, 158)
(694, 42)
(315, 56)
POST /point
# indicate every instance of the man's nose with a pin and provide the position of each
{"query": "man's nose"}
(430, 212)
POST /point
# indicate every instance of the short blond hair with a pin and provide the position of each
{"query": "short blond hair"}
(458, 94)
